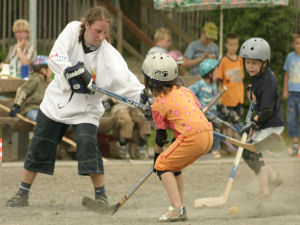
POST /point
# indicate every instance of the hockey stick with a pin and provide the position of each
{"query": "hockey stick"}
(274, 142)
(65, 139)
(119, 97)
(91, 204)
(20, 116)
(221, 200)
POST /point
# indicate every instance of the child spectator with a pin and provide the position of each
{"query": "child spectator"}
(268, 116)
(30, 95)
(231, 75)
(128, 120)
(291, 91)
(178, 57)
(163, 41)
(205, 90)
(199, 50)
(178, 108)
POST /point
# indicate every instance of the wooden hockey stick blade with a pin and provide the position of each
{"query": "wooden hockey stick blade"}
(274, 142)
(219, 201)
(95, 206)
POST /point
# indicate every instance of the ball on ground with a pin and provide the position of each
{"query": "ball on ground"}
(234, 210)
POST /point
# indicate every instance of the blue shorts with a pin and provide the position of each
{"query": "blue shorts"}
(41, 154)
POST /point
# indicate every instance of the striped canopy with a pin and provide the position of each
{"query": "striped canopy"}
(192, 5)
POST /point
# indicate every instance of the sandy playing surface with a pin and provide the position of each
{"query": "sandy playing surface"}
(57, 199)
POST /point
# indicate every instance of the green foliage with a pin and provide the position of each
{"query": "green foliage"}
(3, 54)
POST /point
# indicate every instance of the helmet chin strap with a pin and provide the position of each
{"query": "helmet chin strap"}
(262, 69)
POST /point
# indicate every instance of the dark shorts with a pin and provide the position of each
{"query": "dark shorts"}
(48, 134)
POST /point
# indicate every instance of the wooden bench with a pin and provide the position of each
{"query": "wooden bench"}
(15, 132)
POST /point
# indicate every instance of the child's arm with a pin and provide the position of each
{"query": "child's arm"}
(285, 85)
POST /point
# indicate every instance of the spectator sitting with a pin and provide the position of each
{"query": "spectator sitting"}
(199, 50)
(205, 90)
(30, 95)
(131, 128)
(178, 56)
(162, 39)
(23, 52)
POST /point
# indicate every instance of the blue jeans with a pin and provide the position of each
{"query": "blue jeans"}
(292, 114)
(217, 142)
(32, 114)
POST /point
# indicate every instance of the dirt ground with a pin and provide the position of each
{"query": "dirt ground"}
(57, 199)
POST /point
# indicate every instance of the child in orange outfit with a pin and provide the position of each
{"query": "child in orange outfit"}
(175, 107)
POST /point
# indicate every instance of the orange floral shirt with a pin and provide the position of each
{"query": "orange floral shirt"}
(180, 110)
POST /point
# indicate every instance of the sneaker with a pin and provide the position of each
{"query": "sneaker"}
(121, 151)
(173, 214)
(18, 201)
(216, 154)
(102, 200)
(142, 152)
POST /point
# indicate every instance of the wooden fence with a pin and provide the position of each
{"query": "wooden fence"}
(53, 15)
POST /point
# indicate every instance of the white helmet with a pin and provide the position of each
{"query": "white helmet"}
(256, 48)
(160, 68)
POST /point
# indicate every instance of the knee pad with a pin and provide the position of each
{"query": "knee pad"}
(253, 160)
(177, 173)
(159, 173)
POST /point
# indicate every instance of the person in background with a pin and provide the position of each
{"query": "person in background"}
(291, 92)
(23, 52)
(163, 41)
(131, 127)
(231, 75)
(205, 90)
(30, 95)
(178, 57)
(199, 50)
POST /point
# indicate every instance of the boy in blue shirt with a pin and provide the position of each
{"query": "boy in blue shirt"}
(291, 91)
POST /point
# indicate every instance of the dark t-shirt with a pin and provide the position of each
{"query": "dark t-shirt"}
(265, 89)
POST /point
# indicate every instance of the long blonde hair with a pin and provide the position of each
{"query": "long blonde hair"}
(95, 14)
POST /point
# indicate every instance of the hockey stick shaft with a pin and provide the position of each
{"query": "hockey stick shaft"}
(218, 201)
(119, 97)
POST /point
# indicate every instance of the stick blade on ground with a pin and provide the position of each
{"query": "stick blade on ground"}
(273, 142)
(209, 202)
(94, 206)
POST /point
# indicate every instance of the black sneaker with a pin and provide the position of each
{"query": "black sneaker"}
(18, 201)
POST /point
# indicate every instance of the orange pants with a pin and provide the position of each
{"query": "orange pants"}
(184, 151)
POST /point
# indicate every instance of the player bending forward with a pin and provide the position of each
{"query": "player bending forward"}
(268, 116)
(178, 108)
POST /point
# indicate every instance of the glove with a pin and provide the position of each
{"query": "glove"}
(248, 127)
(108, 104)
(154, 160)
(14, 110)
(79, 78)
(143, 97)
(214, 120)
(148, 114)
(233, 116)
